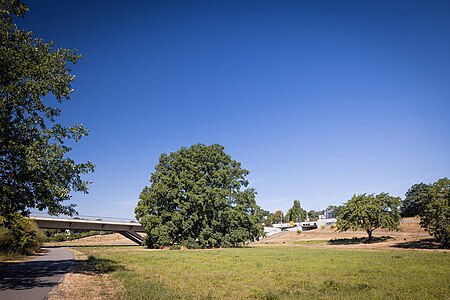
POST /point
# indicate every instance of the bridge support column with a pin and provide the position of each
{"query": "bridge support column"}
(134, 236)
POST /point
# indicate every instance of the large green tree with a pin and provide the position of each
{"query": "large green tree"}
(296, 213)
(35, 171)
(199, 196)
(434, 210)
(370, 212)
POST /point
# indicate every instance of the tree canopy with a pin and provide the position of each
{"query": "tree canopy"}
(278, 217)
(35, 171)
(199, 197)
(335, 210)
(296, 213)
(313, 215)
(370, 212)
(434, 210)
(414, 197)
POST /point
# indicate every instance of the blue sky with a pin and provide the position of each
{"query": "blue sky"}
(318, 99)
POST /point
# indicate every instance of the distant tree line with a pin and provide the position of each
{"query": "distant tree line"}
(297, 214)
(368, 212)
(431, 202)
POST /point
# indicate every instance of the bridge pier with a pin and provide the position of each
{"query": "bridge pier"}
(134, 236)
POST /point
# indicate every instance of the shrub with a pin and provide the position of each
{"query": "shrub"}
(19, 234)
(190, 243)
(299, 231)
(175, 247)
(332, 226)
(323, 227)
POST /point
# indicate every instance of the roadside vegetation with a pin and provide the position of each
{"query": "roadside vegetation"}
(36, 171)
(18, 236)
(277, 273)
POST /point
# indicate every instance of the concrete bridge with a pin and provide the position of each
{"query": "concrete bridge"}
(127, 228)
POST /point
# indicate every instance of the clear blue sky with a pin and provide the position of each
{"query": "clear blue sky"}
(318, 99)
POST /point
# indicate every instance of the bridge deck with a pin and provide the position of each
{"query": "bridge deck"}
(128, 229)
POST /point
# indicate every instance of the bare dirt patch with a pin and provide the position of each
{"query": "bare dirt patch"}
(410, 236)
(85, 281)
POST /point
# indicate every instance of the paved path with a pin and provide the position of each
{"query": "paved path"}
(34, 279)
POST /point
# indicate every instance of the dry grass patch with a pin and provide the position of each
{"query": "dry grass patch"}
(88, 279)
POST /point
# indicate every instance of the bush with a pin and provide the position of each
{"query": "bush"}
(332, 226)
(19, 234)
(175, 247)
(190, 243)
(323, 227)
(299, 231)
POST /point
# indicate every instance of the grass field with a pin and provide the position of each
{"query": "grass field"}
(276, 273)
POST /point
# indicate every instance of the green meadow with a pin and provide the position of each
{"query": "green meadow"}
(275, 273)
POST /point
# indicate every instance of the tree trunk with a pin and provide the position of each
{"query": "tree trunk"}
(369, 232)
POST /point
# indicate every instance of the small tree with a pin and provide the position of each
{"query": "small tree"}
(370, 212)
(278, 217)
(313, 215)
(267, 218)
(296, 212)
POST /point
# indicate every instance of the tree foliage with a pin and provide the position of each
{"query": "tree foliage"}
(335, 210)
(296, 213)
(278, 217)
(370, 212)
(414, 197)
(434, 209)
(199, 197)
(35, 171)
(313, 215)
(19, 235)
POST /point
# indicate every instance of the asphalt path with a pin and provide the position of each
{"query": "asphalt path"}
(34, 278)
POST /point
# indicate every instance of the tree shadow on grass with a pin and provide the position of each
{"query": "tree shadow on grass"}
(355, 240)
(95, 266)
(428, 243)
(31, 274)
(46, 273)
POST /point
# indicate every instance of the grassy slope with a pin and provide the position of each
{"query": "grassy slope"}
(279, 273)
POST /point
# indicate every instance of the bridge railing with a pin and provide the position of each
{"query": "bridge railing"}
(82, 217)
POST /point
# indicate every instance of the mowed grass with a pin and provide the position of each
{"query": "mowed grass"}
(277, 273)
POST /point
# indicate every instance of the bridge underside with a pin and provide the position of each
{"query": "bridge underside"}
(128, 230)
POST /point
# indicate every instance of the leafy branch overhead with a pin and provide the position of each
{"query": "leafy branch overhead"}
(35, 171)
